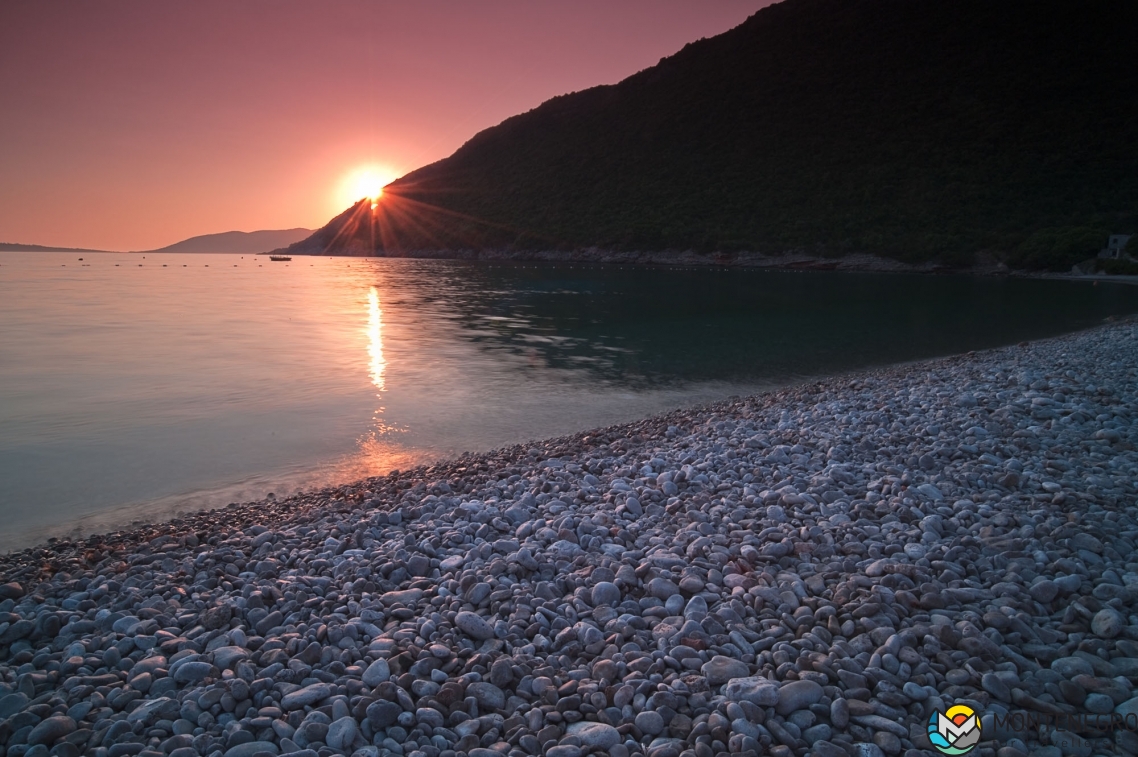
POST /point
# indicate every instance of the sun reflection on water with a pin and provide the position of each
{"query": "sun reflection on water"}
(378, 453)
(377, 363)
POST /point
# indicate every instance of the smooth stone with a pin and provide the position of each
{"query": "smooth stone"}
(605, 593)
(376, 673)
(193, 672)
(452, 563)
(309, 695)
(419, 565)
(820, 732)
(662, 588)
(1126, 741)
(930, 491)
(11, 704)
(487, 695)
(1083, 540)
(429, 716)
(756, 690)
(696, 608)
(915, 551)
(588, 634)
(51, 729)
(341, 733)
(11, 590)
(1044, 591)
(474, 626)
(840, 713)
(154, 709)
(663, 747)
(746, 727)
(992, 684)
(797, 695)
(864, 749)
(1069, 584)
(1098, 703)
(1108, 623)
(478, 593)
(828, 749)
(914, 692)
(406, 597)
(501, 672)
(1129, 707)
(1072, 744)
(564, 549)
(383, 714)
(720, 670)
(252, 748)
(882, 723)
(226, 657)
(1111, 687)
(1069, 667)
(1126, 667)
(650, 722)
(594, 735)
(561, 750)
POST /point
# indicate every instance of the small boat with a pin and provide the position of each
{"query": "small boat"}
(279, 257)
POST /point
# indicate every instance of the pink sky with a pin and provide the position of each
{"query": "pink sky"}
(132, 124)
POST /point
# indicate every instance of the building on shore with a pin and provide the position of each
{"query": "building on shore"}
(1115, 247)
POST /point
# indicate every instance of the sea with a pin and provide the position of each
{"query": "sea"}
(134, 387)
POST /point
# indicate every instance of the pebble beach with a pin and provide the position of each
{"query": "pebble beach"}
(811, 571)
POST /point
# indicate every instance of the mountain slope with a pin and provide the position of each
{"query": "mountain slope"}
(916, 129)
(241, 242)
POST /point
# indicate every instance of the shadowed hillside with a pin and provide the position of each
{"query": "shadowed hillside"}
(915, 129)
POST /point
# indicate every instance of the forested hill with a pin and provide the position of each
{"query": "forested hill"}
(914, 129)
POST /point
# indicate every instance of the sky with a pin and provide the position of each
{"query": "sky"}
(133, 124)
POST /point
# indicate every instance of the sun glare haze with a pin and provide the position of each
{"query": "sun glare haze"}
(364, 182)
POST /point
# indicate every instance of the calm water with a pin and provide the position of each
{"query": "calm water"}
(136, 388)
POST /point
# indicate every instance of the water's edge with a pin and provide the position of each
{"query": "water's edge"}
(178, 507)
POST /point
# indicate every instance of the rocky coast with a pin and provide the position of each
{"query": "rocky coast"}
(812, 571)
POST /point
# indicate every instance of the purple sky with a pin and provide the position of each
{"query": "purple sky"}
(132, 124)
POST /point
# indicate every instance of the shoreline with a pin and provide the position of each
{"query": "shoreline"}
(428, 470)
(816, 568)
(855, 263)
(791, 261)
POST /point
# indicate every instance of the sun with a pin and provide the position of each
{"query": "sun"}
(364, 182)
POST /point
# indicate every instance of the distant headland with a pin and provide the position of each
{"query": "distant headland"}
(238, 242)
(232, 242)
(18, 247)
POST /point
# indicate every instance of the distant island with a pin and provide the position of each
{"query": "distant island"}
(232, 242)
(17, 247)
(931, 133)
(237, 242)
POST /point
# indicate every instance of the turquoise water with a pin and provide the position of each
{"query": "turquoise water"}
(137, 387)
